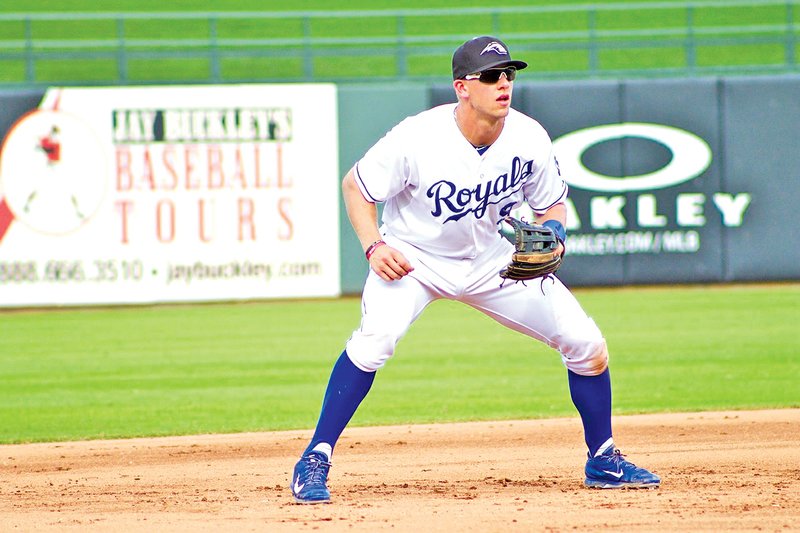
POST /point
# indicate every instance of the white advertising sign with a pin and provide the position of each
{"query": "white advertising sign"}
(171, 194)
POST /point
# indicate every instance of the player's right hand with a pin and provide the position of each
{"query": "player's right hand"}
(389, 263)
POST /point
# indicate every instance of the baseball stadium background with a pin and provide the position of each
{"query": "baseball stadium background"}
(175, 258)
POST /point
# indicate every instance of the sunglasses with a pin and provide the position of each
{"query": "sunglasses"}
(492, 75)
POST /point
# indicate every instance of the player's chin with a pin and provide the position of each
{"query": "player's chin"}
(502, 111)
(503, 103)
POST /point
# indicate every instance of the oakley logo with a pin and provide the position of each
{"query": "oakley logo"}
(495, 47)
(691, 156)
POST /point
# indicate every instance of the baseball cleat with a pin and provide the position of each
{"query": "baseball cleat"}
(611, 471)
(310, 478)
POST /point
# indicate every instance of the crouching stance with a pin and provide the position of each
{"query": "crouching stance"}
(448, 177)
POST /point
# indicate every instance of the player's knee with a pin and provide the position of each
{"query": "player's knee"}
(370, 352)
(591, 360)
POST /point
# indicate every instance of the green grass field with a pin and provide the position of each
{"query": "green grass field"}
(763, 36)
(167, 370)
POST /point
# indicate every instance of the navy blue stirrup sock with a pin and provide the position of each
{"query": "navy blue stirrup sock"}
(348, 385)
(592, 397)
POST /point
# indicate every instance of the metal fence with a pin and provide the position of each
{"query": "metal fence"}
(588, 41)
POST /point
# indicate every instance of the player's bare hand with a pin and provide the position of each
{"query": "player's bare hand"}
(389, 263)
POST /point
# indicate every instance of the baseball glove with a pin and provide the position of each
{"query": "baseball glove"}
(535, 255)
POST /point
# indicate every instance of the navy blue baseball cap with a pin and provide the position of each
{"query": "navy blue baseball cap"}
(482, 53)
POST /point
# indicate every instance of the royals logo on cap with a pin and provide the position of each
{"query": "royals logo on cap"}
(495, 47)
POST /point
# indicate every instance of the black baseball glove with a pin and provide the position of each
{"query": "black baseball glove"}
(535, 255)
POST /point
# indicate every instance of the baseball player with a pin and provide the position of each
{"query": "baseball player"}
(447, 177)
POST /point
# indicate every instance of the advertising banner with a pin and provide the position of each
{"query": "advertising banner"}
(673, 180)
(171, 194)
(650, 201)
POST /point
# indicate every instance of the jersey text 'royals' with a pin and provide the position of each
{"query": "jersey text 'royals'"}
(448, 198)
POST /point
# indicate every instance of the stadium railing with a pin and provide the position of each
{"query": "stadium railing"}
(650, 39)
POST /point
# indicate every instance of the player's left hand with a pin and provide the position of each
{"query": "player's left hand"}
(389, 263)
(538, 251)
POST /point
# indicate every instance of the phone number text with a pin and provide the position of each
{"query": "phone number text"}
(54, 271)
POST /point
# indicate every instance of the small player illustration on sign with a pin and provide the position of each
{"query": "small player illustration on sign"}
(53, 172)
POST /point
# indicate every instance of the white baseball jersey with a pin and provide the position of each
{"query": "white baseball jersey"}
(443, 202)
(442, 196)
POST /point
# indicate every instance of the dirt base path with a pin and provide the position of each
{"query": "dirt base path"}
(721, 471)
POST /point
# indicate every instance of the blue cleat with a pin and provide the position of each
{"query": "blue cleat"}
(611, 471)
(310, 478)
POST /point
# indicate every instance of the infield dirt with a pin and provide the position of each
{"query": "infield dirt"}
(721, 471)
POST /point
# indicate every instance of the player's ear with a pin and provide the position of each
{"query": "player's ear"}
(460, 87)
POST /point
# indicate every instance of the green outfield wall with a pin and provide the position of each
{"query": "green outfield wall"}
(682, 178)
(671, 180)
